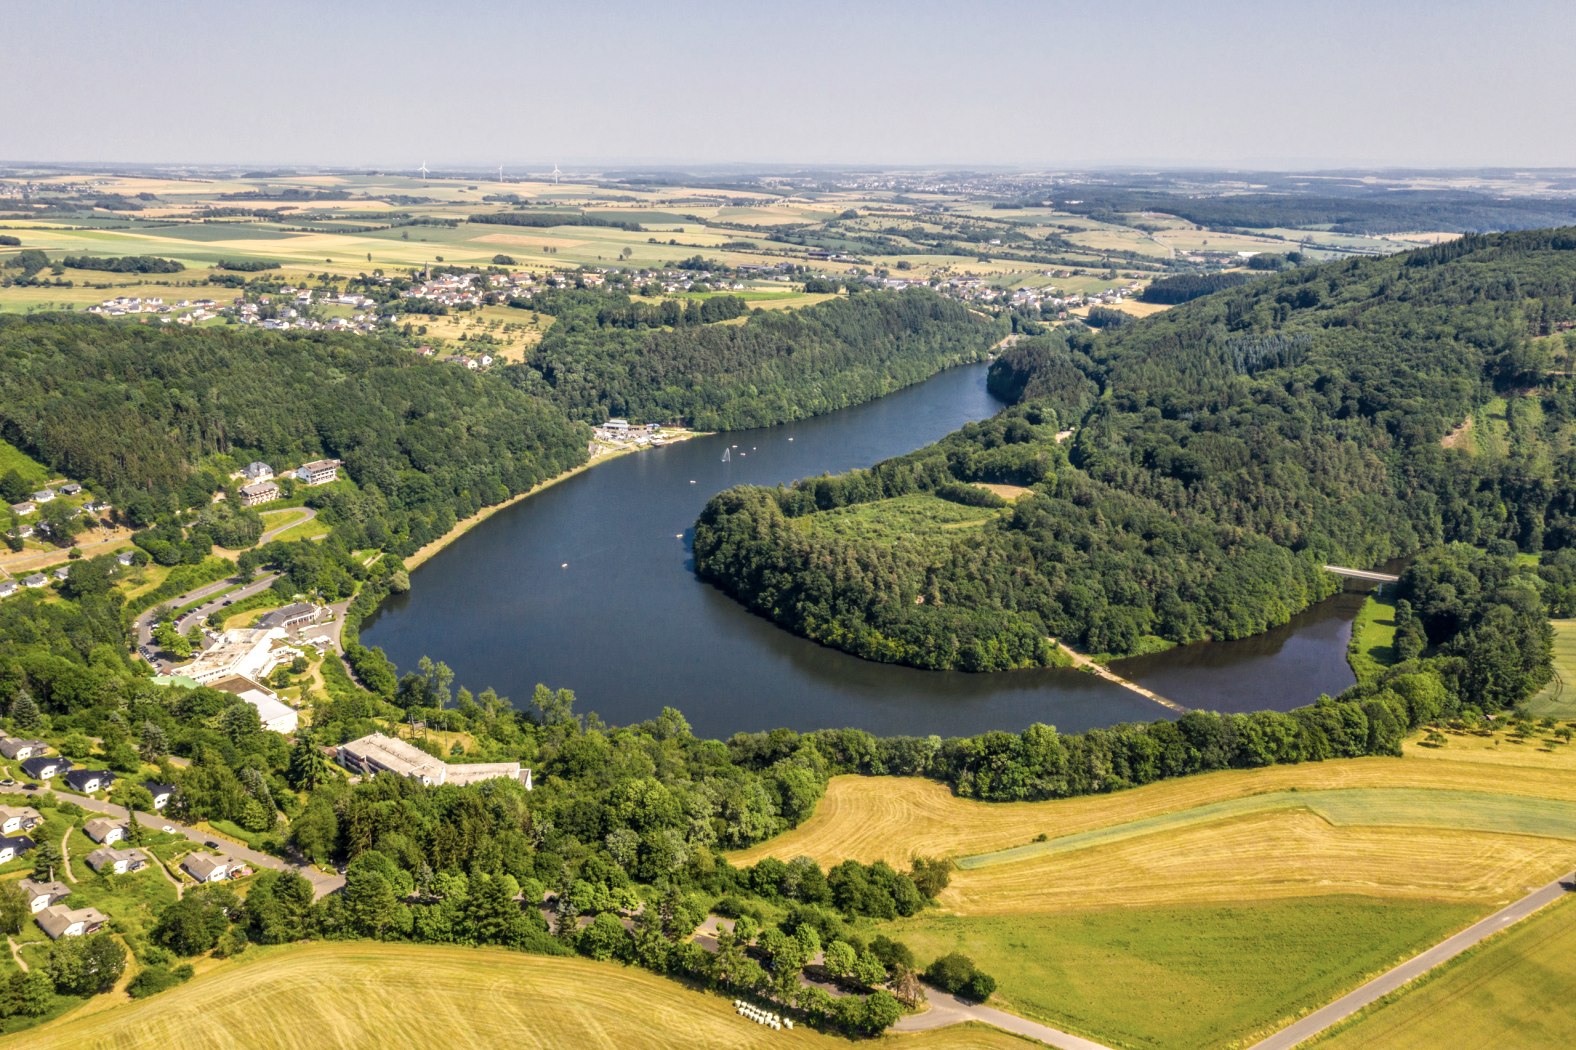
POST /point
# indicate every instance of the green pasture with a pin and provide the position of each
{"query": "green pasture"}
(1558, 698)
(1342, 807)
(1180, 977)
(1372, 647)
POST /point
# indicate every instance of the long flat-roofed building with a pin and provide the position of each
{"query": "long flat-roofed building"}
(240, 652)
(381, 753)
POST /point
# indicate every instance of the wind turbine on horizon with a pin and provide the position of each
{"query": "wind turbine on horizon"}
(500, 173)
(556, 173)
(423, 170)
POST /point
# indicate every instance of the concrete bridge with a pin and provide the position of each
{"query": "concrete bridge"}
(1362, 574)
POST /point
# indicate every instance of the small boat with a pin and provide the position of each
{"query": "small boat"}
(692, 481)
(565, 565)
(727, 453)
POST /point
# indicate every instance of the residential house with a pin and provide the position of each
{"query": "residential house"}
(24, 532)
(258, 492)
(70, 488)
(162, 793)
(24, 508)
(36, 581)
(13, 846)
(8, 588)
(318, 472)
(88, 781)
(59, 921)
(257, 470)
(63, 573)
(42, 768)
(18, 818)
(17, 748)
(205, 867)
(44, 495)
(125, 559)
(104, 831)
(108, 861)
(41, 895)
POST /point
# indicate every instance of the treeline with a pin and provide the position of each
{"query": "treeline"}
(552, 218)
(777, 366)
(156, 418)
(1188, 286)
(618, 310)
(123, 263)
(1221, 452)
(246, 265)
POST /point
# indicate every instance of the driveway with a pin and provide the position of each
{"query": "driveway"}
(947, 1009)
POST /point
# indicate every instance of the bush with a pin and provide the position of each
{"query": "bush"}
(956, 973)
(155, 979)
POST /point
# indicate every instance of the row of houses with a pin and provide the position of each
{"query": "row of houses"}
(57, 921)
(261, 488)
(39, 580)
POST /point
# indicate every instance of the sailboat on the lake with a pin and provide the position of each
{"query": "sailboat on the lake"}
(727, 454)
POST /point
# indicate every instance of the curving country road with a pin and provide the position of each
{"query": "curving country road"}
(221, 596)
(1415, 967)
(947, 1009)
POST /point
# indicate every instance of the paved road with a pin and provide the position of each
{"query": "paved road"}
(322, 883)
(947, 1009)
(269, 534)
(1416, 966)
(142, 629)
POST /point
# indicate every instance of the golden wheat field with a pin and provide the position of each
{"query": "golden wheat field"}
(333, 996)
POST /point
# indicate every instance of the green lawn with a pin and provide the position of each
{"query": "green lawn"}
(1558, 698)
(920, 519)
(1372, 647)
(13, 458)
(1511, 991)
(1182, 977)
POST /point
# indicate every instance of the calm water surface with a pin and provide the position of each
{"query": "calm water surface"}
(589, 586)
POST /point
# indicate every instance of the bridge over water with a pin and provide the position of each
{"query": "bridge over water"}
(1362, 574)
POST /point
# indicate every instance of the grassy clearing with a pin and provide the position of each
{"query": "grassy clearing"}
(1512, 991)
(918, 520)
(1182, 977)
(13, 458)
(1372, 647)
(892, 818)
(324, 996)
(1558, 698)
(1491, 429)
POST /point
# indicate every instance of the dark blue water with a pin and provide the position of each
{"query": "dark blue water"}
(588, 586)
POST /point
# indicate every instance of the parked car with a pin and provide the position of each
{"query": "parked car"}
(211, 844)
(31, 787)
(168, 829)
(7, 782)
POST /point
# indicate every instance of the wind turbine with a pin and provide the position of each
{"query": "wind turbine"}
(500, 173)
(556, 173)
(423, 170)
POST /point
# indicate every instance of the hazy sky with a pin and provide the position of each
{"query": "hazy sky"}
(1260, 83)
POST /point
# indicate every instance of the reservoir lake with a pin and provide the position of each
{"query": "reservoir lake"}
(588, 585)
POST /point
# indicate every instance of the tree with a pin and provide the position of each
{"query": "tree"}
(14, 488)
(25, 715)
(839, 959)
(193, 924)
(15, 908)
(309, 767)
(605, 938)
(154, 744)
(46, 858)
(370, 904)
(85, 965)
(278, 907)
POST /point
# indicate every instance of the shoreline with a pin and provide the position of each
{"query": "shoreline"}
(427, 552)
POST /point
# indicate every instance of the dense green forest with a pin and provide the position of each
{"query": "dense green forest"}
(1185, 287)
(1214, 457)
(155, 419)
(774, 367)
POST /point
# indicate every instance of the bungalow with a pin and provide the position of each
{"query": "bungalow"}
(58, 921)
(18, 818)
(23, 532)
(41, 768)
(104, 831)
(70, 488)
(8, 588)
(259, 492)
(257, 470)
(318, 472)
(44, 495)
(41, 895)
(108, 861)
(63, 573)
(24, 508)
(13, 846)
(88, 781)
(162, 793)
(36, 581)
(126, 558)
(17, 748)
(205, 867)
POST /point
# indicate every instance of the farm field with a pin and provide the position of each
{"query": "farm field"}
(331, 996)
(1558, 698)
(1511, 991)
(1183, 977)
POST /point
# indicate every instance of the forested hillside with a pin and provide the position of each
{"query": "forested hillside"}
(773, 367)
(143, 414)
(1218, 454)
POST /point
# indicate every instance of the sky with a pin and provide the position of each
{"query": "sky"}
(1261, 84)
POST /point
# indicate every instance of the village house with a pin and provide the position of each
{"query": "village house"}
(318, 472)
(104, 831)
(257, 470)
(70, 488)
(41, 895)
(41, 768)
(35, 581)
(125, 559)
(59, 921)
(116, 861)
(63, 573)
(205, 867)
(18, 818)
(8, 588)
(162, 793)
(44, 496)
(17, 748)
(13, 846)
(24, 508)
(88, 781)
(258, 492)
